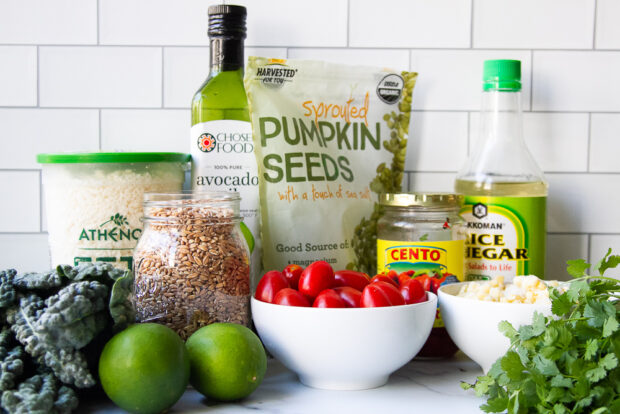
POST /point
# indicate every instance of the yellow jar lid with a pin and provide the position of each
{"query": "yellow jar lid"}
(421, 200)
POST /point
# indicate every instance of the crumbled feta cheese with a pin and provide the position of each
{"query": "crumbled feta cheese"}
(523, 289)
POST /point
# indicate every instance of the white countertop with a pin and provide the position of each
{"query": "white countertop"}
(431, 387)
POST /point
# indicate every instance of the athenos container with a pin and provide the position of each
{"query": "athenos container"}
(94, 201)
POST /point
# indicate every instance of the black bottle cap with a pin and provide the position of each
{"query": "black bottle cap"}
(226, 20)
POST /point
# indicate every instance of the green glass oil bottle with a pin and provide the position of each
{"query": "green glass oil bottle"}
(221, 134)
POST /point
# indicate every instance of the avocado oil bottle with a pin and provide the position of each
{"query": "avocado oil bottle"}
(221, 134)
(505, 191)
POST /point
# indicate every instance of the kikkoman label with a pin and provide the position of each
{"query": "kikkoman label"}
(505, 236)
(423, 257)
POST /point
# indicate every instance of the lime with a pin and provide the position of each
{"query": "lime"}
(145, 368)
(228, 361)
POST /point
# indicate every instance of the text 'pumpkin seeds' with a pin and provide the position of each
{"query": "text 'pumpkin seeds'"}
(327, 137)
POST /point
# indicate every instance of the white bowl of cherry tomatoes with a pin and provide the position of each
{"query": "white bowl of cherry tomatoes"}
(341, 330)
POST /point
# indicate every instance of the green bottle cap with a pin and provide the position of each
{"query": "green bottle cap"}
(502, 75)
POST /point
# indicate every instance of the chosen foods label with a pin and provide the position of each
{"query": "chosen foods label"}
(505, 236)
(223, 160)
(423, 257)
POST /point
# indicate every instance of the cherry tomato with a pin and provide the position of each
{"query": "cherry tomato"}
(316, 278)
(381, 294)
(392, 293)
(383, 278)
(425, 280)
(351, 278)
(435, 283)
(392, 274)
(349, 295)
(291, 297)
(374, 297)
(269, 285)
(292, 273)
(403, 277)
(412, 291)
(329, 299)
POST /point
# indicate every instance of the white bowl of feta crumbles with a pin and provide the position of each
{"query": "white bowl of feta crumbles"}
(471, 312)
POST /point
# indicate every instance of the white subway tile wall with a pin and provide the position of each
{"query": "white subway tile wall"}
(83, 75)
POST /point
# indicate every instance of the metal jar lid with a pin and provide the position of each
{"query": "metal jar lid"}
(445, 200)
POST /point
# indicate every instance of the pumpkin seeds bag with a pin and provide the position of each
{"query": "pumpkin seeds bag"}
(327, 139)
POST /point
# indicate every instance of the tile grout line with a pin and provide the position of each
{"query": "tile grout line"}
(100, 139)
(162, 77)
(468, 134)
(38, 78)
(589, 142)
(41, 201)
(98, 24)
(531, 80)
(471, 25)
(588, 245)
(183, 108)
(594, 25)
(348, 22)
(359, 48)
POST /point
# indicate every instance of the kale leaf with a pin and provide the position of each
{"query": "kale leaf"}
(8, 294)
(42, 282)
(121, 307)
(40, 394)
(567, 363)
(73, 316)
(11, 360)
(98, 271)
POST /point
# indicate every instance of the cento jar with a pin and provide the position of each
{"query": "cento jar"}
(423, 236)
(192, 265)
(94, 201)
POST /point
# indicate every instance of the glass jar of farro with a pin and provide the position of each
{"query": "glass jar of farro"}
(191, 264)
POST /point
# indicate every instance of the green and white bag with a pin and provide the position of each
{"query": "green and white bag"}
(327, 138)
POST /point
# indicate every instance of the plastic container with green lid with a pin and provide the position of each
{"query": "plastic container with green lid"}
(94, 201)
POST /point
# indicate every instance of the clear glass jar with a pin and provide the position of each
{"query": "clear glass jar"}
(423, 236)
(191, 265)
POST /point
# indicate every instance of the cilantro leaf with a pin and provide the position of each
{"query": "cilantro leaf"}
(577, 268)
(591, 349)
(561, 381)
(537, 327)
(610, 326)
(608, 362)
(608, 262)
(512, 366)
(561, 304)
(595, 313)
(508, 330)
(495, 405)
(545, 366)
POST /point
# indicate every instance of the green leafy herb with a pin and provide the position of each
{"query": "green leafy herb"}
(568, 363)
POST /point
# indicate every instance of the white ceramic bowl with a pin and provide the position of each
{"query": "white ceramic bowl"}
(344, 349)
(472, 324)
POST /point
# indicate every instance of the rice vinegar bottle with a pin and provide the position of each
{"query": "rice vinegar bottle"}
(505, 191)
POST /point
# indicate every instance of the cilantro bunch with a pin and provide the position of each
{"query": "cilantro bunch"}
(566, 363)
